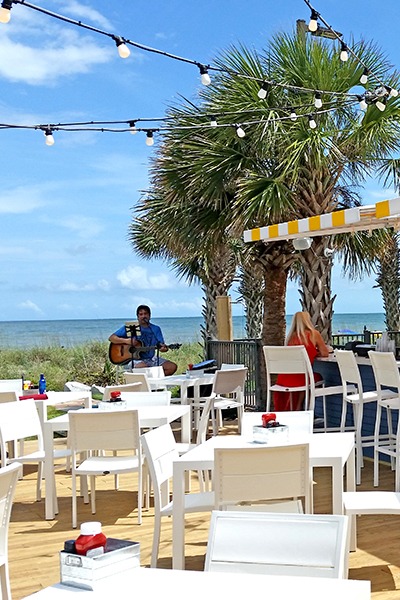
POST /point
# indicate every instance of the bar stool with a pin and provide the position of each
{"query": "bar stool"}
(354, 394)
(386, 372)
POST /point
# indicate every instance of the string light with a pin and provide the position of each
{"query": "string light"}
(149, 138)
(122, 48)
(311, 122)
(391, 91)
(293, 116)
(313, 23)
(344, 55)
(381, 104)
(5, 11)
(213, 122)
(364, 77)
(132, 127)
(48, 133)
(204, 75)
(240, 132)
(318, 100)
(263, 91)
(362, 103)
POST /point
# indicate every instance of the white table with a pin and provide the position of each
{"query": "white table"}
(335, 450)
(149, 417)
(181, 585)
(184, 383)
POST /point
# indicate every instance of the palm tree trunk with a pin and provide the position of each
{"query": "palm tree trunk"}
(389, 282)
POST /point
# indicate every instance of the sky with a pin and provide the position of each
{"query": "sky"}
(65, 209)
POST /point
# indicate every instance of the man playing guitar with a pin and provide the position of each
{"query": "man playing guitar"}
(145, 334)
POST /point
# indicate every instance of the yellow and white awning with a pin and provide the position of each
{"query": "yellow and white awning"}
(379, 215)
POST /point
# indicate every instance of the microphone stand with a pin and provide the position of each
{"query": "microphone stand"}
(132, 333)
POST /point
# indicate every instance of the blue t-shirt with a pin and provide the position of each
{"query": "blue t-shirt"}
(149, 336)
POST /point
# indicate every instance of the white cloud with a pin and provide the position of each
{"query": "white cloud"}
(134, 277)
(69, 286)
(76, 9)
(85, 227)
(21, 200)
(28, 304)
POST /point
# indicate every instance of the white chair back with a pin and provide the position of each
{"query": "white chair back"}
(386, 370)
(8, 482)
(138, 378)
(11, 385)
(136, 399)
(231, 366)
(9, 397)
(298, 421)
(228, 381)
(18, 421)
(124, 387)
(289, 360)
(278, 544)
(96, 430)
(263, 474)
(151, 372)
(349, 371)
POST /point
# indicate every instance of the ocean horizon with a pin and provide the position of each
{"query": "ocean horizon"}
(74, 332)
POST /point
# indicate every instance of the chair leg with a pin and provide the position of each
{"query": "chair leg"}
(344, 415)
(74, 503)
(39, 482)
(376, 444)
(140, 494)
(5, 581)
(156, 541)
(358, 414)
(93, 493)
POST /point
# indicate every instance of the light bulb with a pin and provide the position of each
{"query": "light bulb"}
(204, 76)
(213, 122)
(240, 132)
(122, 48)
(48, 134)
(364, 77)
(311, 123)
(149, 139)
(318, 101)
(344, 56)
(293, 116)
(362, 103)
(5, 15)
(313, 23)
(263, 91)
(5, 11)
(132, 127)
(381, 104)
(392, 92)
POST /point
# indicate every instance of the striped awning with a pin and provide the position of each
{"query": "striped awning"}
(382, 214)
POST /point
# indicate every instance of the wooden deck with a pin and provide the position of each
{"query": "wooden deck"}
(34, 543)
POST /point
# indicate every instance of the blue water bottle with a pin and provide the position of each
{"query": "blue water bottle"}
(42, 384)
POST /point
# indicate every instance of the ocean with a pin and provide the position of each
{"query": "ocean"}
(180, 330)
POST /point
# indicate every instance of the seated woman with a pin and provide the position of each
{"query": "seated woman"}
(301, 333)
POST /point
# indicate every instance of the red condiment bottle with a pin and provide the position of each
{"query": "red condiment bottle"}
(91, 538)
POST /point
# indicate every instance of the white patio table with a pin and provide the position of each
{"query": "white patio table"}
(181, 585)
(184, 383)
(335, 450)
(149, 417)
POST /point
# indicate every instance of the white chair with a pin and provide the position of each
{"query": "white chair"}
(151, 372)
(93, 431)
(262, 475)
(298, 421)
(160, 450)
(354, 394)
(136, 399)
(368, 503)
(8, 482)
(386, 373)
(11, 385)
(124, 387)
(9, 397)
(231, 366)
(138, 377)
(227, 392)
(19, 421)
(278, 544)
(289, 360)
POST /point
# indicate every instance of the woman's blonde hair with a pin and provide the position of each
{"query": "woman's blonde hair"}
(301, 324)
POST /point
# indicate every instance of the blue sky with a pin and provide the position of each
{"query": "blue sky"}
(65, 209)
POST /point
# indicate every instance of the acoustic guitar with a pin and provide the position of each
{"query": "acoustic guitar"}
(122, 354)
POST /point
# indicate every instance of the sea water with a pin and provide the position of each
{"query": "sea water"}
(178, 330)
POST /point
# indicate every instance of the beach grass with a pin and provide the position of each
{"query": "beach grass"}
(87, 363)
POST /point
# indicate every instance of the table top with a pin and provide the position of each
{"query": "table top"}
(181, 585)
(324, 447)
